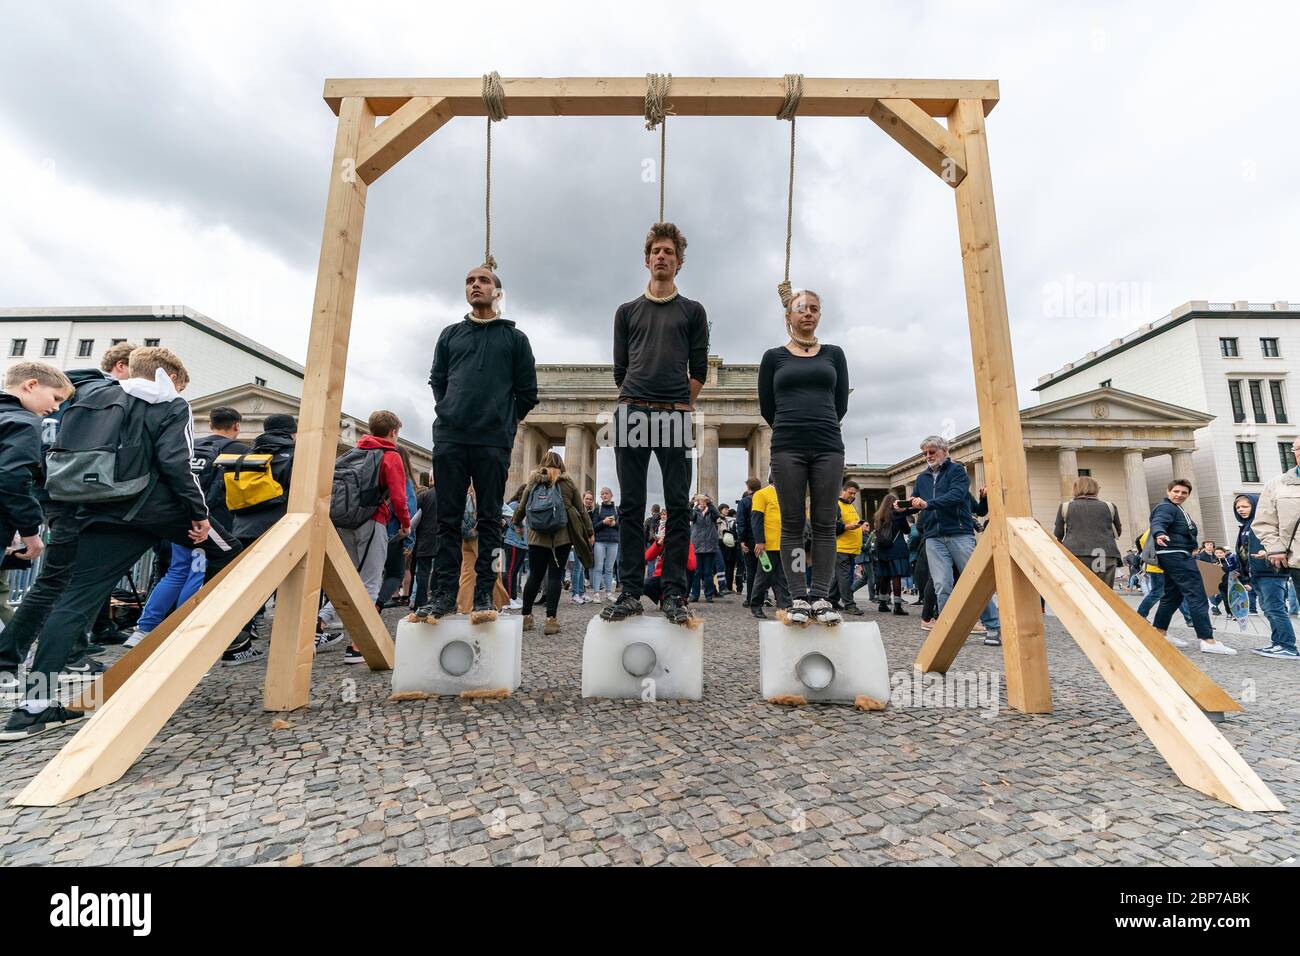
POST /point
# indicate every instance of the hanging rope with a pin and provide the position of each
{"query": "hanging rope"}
(494, 99)
(656, 114)
(789, 108)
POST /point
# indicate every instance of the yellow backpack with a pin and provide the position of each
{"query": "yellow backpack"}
(249, 481)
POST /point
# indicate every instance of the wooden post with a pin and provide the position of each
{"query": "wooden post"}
(1023, 648)
(288, 671)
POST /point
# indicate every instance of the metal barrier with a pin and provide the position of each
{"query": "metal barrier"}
(141, 574)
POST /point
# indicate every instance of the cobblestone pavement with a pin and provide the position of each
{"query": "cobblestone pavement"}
(547, 777)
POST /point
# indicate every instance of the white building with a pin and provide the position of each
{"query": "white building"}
(216, 357)
(1233, 360)
(226, 368)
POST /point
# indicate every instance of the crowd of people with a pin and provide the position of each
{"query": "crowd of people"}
(105, 461)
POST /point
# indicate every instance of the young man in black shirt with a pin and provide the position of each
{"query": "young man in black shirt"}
(484, 382)
(661, 354)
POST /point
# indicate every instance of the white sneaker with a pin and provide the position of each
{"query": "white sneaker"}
(576, 599)
(516, 604)
(1177, 642)
(598, 597)
(1216, 647)
(136, 637)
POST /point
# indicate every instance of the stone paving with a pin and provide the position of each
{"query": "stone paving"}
(548, 778)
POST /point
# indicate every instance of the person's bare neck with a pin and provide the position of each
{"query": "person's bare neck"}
(484, 313)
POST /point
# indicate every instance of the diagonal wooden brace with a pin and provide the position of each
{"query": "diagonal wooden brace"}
(387, 144)
(912, 128)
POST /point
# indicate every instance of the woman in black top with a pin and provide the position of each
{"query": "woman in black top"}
(803, 393)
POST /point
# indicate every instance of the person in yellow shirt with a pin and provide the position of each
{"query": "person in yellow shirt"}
(847, 546)
(766, 524)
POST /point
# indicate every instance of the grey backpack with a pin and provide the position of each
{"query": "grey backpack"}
(102, 451)
(545, 512)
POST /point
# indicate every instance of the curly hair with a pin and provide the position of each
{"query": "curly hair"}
(667, 230)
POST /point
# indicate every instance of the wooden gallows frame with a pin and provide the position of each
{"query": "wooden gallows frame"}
(1015, 557)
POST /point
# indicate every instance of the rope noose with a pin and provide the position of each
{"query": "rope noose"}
(656, 114)
(789, 108)
(494, 99)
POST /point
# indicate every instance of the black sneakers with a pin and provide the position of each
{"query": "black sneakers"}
(440, 605)
(22, 725)
(626, 606)
(353, 655)
(109, 635)
(85, 669)
(675, 609)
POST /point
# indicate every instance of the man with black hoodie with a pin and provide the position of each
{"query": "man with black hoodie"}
(484, 382)
(60, 518)
(115, 533)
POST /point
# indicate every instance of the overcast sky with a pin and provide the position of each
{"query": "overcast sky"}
(179, 152)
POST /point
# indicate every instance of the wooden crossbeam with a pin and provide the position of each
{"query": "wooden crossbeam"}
(354, 606)
(391, 141)
(917, 132)
(689, 95)
(107, 684)
(968, 598)
(1191, 745)
(1208, 695)
(114, 737)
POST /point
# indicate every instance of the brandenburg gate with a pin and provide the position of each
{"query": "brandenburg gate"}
(577, 401)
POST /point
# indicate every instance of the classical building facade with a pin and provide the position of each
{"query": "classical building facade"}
(1105, 433)
(576, 405)
(1231, 360)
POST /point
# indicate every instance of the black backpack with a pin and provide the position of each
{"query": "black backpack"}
(545, 511)
(357, 490)
(102, 451)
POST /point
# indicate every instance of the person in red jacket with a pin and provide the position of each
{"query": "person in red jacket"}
(654, 585)
(368, 545)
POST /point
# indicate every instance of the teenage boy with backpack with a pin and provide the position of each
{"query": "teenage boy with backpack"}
(32, 390)
(484, 383)
(123, 458)
(369, 488)
(184, 574)
(61, 552)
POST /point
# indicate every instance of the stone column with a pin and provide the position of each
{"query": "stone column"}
(763, 448)
(592, 478)
(575, 453)
(518, 470)
(1067, 460)
(1183, 469)
(1135, 490)
(981, 480)
(535, 445)
(708, 462)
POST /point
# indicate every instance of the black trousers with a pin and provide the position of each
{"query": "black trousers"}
(423, 569)
(638, 432)
(729, 567)
(517, 558)
(394, 570)
(454, 467)
(56, 571)
(104, 554)
(751, 572)
(775, 579)
(814, 475)
(844, 564)
(545, 563)
(1183, 581)
(924, 586)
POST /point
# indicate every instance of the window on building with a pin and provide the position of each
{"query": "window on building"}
(51, 348)
(1246, 461)
(85, 347)
(1279, 407)
(1105, 384)
(1229, 348)
(259, 381)
(151, 343)
(17, 348)
(1269, 348)
(1238, 404)
(1085, 472)
(116, 341)
(1257, 400)
(1285, 453)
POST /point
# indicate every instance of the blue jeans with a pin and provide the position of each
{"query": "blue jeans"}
(943, 554)
(1156, 583)
(578, 576)
(175, 588)
(602, 572)
(1272, 595)
(706, 569)
(1292, 604)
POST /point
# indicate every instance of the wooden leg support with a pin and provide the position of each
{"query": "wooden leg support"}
(119, 731)
(1192, 746)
